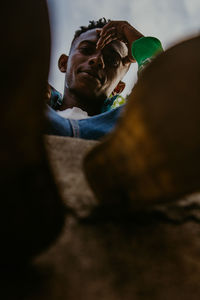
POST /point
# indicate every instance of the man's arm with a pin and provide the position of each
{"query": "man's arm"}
(141, 49)
(53, 98)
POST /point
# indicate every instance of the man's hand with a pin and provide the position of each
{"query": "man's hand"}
(118, 30)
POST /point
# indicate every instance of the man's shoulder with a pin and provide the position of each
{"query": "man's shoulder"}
(56, 98)
(113, 102)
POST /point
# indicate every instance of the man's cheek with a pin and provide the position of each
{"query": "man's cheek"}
(69, 78)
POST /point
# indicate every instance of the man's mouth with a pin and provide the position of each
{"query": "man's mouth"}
(92, 74)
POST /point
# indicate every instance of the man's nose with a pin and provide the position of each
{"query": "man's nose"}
(97, 60)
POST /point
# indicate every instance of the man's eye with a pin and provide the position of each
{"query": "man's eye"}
(86, 50)
(112, 61)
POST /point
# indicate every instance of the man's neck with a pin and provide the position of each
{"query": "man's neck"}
(71, 100)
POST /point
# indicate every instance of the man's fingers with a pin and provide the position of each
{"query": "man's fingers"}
(104, 36)
(108, 31)
(105, 40)
(106, 27)
(109, 40)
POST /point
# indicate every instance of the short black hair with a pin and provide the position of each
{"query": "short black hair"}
(92, 24)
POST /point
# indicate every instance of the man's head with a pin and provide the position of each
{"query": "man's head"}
(93, 74)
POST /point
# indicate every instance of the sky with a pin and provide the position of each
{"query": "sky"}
(169, 20)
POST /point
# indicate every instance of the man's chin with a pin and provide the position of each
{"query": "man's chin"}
(88, 78)
(88, 93)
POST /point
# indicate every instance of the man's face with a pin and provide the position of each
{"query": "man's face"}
(95, 73)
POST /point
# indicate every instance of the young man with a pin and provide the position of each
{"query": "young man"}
(99, 57)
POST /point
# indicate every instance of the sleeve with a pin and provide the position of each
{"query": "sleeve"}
(145, 49)
(56, 99)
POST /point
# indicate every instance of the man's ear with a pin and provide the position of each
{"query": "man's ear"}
(62, 63)
(119, 88)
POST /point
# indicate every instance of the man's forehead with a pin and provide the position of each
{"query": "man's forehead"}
(92, 36)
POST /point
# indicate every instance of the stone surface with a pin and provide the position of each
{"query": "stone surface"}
(66, 156)
(152, 255)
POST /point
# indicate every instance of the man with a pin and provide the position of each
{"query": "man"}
(99, 57)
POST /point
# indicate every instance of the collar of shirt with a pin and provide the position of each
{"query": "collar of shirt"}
(56, 101)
